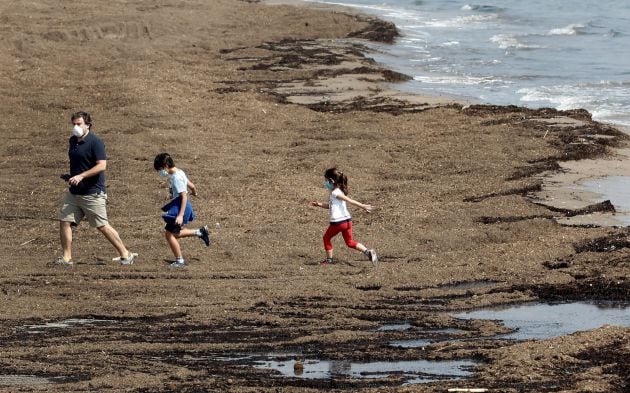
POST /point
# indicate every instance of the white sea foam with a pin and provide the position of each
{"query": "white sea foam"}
(457, 79)
(510, 41)
(462, 21)
(481, 8)
(572, 29)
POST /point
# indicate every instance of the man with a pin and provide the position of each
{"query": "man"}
(86, 196)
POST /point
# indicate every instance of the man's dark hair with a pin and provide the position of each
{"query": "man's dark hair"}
(163, 160)
(87, 118)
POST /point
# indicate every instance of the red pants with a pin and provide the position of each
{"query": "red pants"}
(346, 231)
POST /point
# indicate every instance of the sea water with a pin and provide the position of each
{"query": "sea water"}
(563, 54)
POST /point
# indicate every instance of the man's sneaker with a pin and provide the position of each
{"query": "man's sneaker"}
(129, 260)
(60, 261)
(371, 254)
(179, 264)
(205, 236)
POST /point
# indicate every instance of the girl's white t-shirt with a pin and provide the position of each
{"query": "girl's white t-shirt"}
(338, 208)
(178, 182)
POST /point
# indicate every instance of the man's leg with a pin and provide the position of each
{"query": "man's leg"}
(65, 233)
(113, 237)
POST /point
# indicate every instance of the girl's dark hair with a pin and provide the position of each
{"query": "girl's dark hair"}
(163, 160)
(338, 178)
(87, 118)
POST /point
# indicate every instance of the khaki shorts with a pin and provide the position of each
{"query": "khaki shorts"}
(92, 206)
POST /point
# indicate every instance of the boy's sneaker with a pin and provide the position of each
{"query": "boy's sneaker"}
(179, 264)
(129, 260)
(371, 254)
(60, 261)
(205, 236)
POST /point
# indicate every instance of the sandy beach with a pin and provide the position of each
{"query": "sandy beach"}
(254, 101)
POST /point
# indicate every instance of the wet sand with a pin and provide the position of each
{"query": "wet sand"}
(255, 102)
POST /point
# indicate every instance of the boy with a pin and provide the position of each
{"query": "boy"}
(178, 211)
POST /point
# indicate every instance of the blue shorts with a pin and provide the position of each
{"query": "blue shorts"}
(171, 211)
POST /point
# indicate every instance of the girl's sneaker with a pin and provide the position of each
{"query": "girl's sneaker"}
(326, 262)
(371, 254)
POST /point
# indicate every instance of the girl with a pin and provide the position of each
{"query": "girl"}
(340, 221)
(178, 211)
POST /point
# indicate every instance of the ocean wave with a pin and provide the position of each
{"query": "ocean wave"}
(606, 100)
(450, 43)
(572, 29)
(481, 8)
(458, 80)
(462, 21)
(614, 33)
(510, 41)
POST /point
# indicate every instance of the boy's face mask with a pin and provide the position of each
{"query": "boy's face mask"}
(329, 185)
(163, 172)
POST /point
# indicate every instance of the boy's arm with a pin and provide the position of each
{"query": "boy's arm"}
(192, 187)
(367, 208)
(179, 220)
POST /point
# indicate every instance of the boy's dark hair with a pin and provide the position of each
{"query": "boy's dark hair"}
(338, 178)
(87, 118)
(163, 160)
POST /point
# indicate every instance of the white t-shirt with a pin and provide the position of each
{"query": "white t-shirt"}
(178, 183)
(338, 209)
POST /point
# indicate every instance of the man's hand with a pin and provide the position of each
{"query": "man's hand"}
(75, 180)
(179, 220)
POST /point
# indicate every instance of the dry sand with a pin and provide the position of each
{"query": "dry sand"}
(248, 99)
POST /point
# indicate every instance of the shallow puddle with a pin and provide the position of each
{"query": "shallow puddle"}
(541, 321)
(417, 343)
(415, 371)
(429, 337)
(65, 324)
(395, 327)
(17, 380)
(613, 188)
(467, 285)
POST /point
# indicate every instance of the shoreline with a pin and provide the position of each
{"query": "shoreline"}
(560, 187)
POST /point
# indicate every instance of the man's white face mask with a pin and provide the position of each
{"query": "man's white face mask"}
(77, 131)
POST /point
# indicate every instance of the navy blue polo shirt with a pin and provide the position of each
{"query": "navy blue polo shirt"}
(83, 156)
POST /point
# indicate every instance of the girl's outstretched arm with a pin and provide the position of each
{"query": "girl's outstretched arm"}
(367, 208)
(319, 204)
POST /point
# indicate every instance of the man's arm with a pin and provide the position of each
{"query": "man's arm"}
(100, 166)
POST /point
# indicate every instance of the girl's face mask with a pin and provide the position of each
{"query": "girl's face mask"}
(329, 185)
(163, 172)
